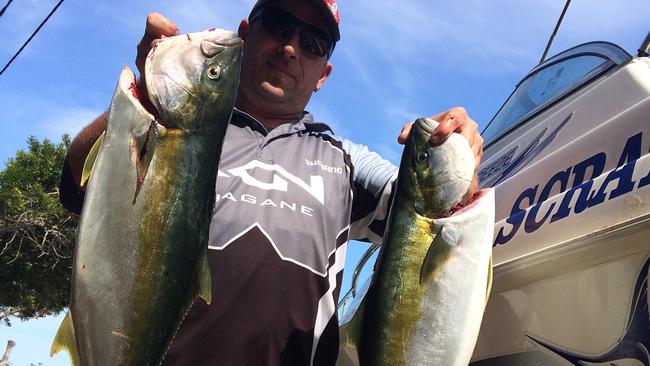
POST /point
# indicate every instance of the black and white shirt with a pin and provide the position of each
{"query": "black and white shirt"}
(287, 203)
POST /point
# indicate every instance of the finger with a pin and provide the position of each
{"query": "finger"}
(449, 123)
(477, 148)
(439, 117)
(468, 129)
(157, 27)
(439, 133)
(404, 134)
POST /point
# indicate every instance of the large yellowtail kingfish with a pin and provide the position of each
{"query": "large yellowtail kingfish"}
(433, 274)
(140, 259)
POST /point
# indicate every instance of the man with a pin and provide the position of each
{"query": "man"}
(289, 197)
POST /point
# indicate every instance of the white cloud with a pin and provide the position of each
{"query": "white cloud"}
(26, 116)
(396, 60)
(60, 120)
(451, 35)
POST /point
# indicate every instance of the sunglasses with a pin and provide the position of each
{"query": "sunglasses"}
(282, 24)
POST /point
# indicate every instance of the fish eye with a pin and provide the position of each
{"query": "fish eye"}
(214, 72)
(422, 156)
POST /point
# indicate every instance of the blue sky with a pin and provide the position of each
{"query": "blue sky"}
(396, 61)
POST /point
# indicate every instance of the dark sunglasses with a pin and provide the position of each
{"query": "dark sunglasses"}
(282, 24)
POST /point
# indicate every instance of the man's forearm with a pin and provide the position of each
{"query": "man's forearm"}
(71, 193)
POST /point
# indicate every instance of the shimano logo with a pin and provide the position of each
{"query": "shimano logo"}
(324, 167)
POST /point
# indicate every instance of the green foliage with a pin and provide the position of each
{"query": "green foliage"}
(36, 233)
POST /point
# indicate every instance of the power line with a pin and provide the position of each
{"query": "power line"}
(32, 36)
(5, 7)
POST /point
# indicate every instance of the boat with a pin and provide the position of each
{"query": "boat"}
(568, 155)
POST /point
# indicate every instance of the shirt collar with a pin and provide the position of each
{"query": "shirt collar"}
(305, 123)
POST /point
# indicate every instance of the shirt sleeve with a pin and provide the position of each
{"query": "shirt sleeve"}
(373, 178)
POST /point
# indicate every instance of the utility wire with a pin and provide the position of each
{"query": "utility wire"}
(32, 36)
(5, 7)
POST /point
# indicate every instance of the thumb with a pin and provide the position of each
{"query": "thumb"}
(404, 134)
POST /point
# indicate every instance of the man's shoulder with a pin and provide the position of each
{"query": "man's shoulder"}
(312, 125)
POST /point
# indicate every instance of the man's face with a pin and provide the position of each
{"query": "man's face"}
(278, 76)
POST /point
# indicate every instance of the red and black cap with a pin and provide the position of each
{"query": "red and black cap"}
(328, 7)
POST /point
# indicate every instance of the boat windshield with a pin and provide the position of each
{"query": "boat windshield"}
(542, 87)
(548, 83)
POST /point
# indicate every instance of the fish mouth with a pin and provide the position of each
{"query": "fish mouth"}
(426, 124)
(141, 100)
(229, 42)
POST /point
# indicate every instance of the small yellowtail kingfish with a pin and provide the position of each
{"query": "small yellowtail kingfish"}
(140, 258)
(433, 275)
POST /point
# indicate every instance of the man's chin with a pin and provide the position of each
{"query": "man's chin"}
(272, 91)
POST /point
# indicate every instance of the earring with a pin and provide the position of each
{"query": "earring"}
(316, 90)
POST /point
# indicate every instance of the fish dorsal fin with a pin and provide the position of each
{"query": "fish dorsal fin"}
(90, 159)
(437, 255)
(490, 275)
(65, 340)
(143, 146)
(203, 279)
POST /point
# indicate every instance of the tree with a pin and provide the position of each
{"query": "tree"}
(37, 234)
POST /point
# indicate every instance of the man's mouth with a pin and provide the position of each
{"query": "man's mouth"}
(281, 69)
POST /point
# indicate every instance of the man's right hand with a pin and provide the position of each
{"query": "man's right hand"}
(70, 191)
(157, 28)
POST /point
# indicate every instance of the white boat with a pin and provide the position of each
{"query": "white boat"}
(568, 155)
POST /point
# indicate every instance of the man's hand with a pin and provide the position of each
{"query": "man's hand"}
(157, 28)
(454, 120)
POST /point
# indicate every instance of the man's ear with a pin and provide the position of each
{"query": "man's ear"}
(244, 29)
(327, 70)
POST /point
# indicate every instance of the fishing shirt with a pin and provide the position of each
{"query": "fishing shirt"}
(288, 201)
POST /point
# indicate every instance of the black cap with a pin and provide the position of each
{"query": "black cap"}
(328, 8)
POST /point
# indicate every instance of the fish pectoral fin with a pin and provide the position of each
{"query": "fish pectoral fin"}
(203, 279)
(488, 289)
(90, 160)
(436, 257)
(143, 146)
(65, 340)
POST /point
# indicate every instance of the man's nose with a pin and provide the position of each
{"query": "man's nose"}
(289, 48)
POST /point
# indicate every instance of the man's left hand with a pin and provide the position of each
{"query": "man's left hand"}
(454, 120)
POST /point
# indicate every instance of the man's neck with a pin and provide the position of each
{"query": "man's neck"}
(269, 120)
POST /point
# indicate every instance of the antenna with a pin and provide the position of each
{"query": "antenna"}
(557, 26)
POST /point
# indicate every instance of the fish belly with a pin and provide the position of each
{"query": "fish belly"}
(453, 307)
